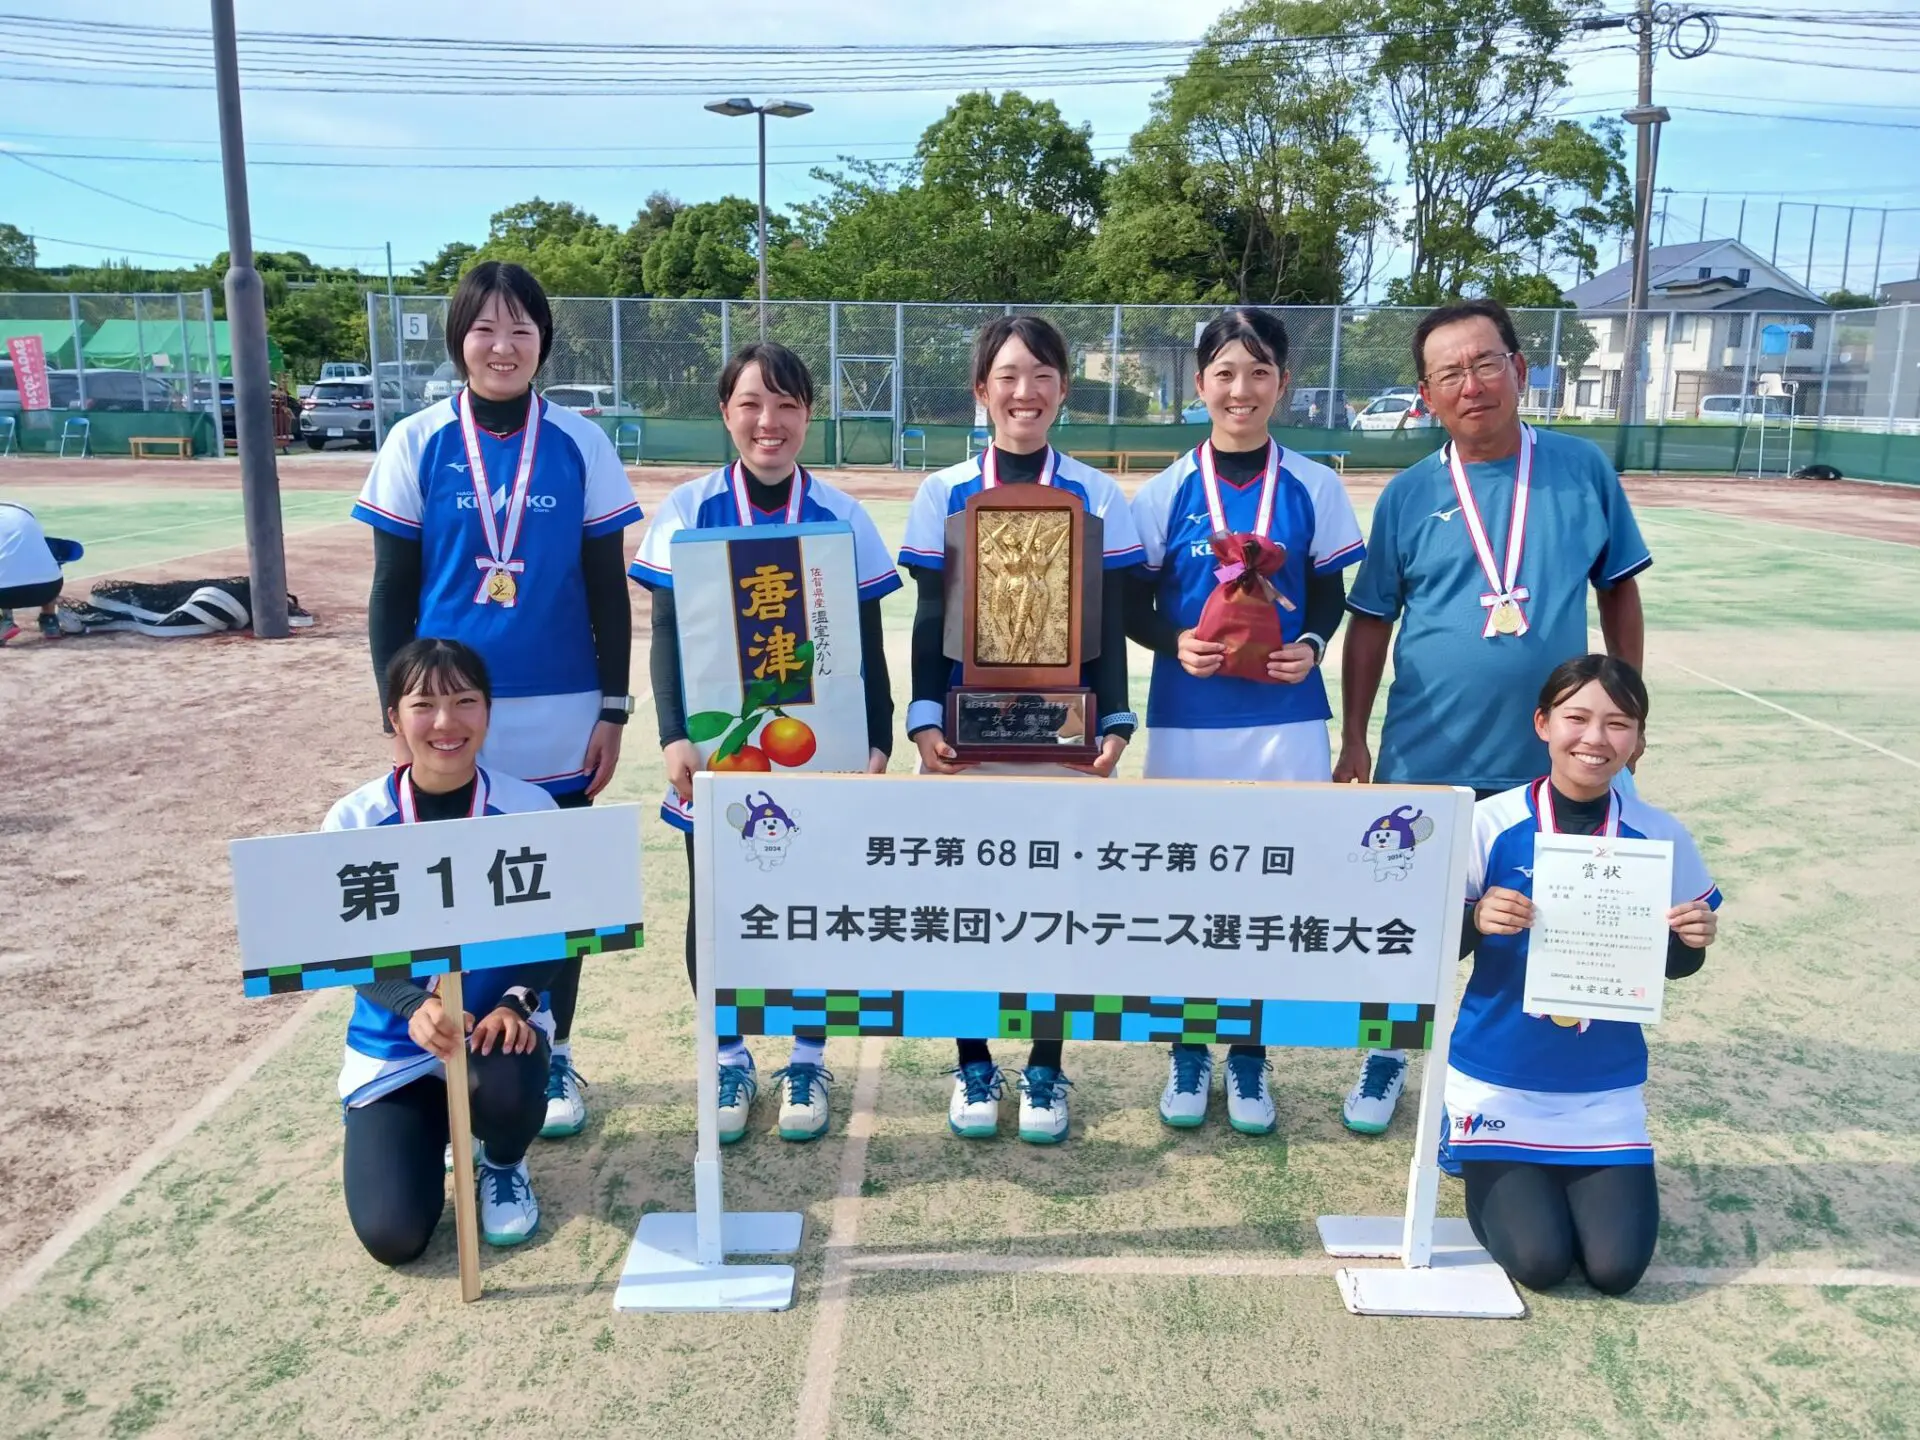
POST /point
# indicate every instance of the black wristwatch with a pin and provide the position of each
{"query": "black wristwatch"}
(1319, 646)
(522, 1001)
(616, 709)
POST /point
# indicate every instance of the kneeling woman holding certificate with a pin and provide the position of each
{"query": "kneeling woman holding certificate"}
(1546, 1112)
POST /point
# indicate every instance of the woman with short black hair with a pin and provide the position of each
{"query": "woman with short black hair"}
(1201, 724)
(1021, 371)
(497, 520)
(393, 1086)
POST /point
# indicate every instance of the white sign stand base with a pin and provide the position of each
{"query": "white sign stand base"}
(663, 1270)
(1460, 1281)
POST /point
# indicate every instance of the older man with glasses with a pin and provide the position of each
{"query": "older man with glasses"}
(1483, 552)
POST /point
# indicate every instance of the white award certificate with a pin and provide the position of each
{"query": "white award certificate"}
(1598, 949)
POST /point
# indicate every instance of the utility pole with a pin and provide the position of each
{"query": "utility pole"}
(1665, 22)
(247, 330)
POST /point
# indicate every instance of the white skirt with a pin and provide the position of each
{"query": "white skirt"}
(1543, 1127)
(1297, 751)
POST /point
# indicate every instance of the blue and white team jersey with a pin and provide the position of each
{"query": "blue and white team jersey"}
(538, 648)
(1460, 709)
(380, 1056)
(719, 501)
(946, 492)
(1309, 514)
(25, 557)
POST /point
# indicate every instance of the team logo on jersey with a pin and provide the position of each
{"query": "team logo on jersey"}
(1445, 515)
(464, 500)
(766, 831)
(1389, 842)
(1472, 1124)
(459, 465)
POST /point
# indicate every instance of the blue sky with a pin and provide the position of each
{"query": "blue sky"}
(346, 215)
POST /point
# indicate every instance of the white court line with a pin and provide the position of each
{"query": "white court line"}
(1795, 714)
(90, 1214)
(195, 525)
(1901, 545)
(1276, 1267)
(836, 1283)
(239, 544)
(1695, 532)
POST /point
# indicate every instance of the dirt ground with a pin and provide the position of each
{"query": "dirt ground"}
(119, 932)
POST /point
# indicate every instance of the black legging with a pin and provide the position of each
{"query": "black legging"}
(1042, 1052)
(563, 992)
(1538, 1221)
(394, 1171)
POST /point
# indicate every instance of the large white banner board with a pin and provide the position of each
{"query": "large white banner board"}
(1142, 910)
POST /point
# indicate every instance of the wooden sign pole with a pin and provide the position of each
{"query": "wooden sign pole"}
(466, 1219)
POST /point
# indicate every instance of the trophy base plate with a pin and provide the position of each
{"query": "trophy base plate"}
(998, 724)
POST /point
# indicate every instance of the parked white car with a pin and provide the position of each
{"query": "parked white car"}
(1394, 412)
(445, 381)
(587, 399)
(1731, 409)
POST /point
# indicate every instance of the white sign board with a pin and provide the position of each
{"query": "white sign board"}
(413, 326)
(1099, 904)
(1598, 948)
(769, 625)
(339, 907)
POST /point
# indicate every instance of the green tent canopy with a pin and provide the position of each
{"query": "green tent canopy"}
(125, 345)
(56, 336)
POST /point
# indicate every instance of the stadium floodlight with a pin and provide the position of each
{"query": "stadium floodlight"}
(780, 109)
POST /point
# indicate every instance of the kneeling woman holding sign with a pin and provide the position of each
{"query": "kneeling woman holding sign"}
(393, 1082)
(1546, 1115)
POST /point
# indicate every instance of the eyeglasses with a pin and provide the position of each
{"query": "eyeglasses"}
(1486, 369)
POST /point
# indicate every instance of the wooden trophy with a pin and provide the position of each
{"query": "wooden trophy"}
(1023, 580)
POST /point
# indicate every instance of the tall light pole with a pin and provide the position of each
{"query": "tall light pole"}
(785, 110)
(247, 329)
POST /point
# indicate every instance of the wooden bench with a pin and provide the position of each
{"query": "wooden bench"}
(1124, 459)
(177, 447)
(1336, 458)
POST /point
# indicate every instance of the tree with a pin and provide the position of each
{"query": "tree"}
(569, 251)
(1251, 181)
(1497, 181)
(630, 250)
(1849, 300)
(443, 272)
(998, 205)
(324, 322)
(707, 253)
(17, 269)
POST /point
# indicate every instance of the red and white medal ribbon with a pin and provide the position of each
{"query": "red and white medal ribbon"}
(737, 477)
(1216, 508)
(990, 469)
(502, 537)
(1543, 807)
(1502, 603)
(410, 807)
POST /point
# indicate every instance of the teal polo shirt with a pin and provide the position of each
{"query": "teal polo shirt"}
(1460, 709)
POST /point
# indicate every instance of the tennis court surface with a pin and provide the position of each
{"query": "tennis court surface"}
(1133, 1281)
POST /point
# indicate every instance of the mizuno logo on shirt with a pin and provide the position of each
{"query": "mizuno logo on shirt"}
(1201, 518)
(1526, 870)
(1445, 515)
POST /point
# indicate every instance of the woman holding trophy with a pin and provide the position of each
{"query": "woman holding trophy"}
(1022, 613)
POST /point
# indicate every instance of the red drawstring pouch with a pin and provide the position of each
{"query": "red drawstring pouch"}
(1243, 612)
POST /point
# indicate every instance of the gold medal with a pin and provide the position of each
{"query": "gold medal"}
(500, 587)
(1506, 618)
(1565, 1022)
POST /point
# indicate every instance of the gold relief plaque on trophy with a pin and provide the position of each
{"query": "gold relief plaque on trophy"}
(1023, 580)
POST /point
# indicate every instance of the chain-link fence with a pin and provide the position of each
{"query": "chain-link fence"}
(893, 382)
(910, 364)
